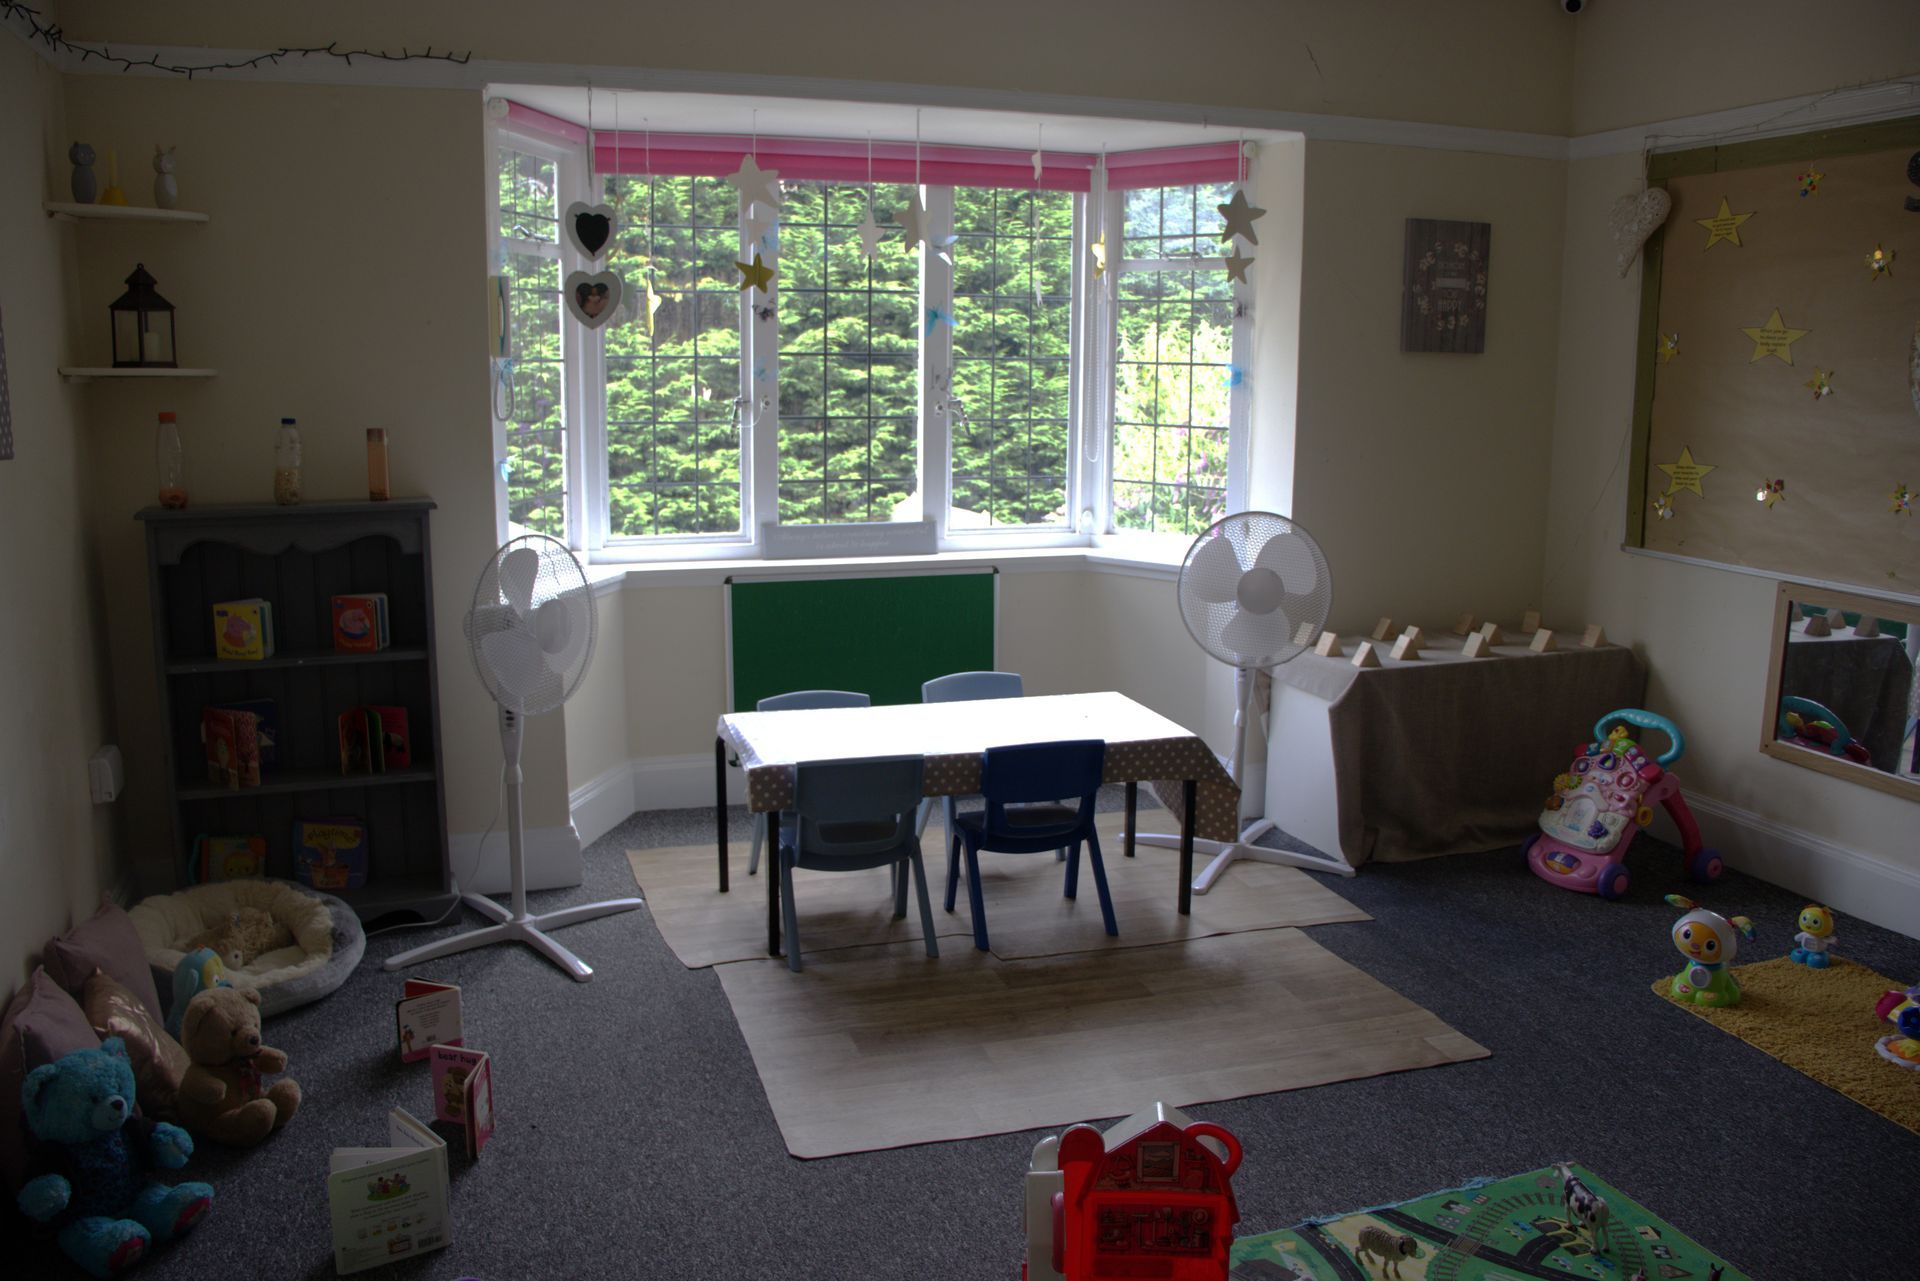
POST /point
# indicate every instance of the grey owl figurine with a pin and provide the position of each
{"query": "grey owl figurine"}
(85, 189)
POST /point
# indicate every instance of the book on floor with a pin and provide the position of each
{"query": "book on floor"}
(463, 1093)
(427, 1014)
(388, 1203)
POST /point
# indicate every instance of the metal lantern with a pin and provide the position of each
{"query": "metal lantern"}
(142, 326)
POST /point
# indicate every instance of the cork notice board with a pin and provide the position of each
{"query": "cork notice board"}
(1740, 402)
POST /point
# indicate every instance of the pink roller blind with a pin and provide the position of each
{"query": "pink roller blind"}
(845, 159)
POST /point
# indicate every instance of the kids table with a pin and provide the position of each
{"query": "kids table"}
(1142, 746)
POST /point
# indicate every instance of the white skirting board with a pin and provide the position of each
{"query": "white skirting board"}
(553, 860)
(1852, 883)
(654, 783)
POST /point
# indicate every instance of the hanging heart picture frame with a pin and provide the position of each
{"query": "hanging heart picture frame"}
(589, 228)
(593, 297)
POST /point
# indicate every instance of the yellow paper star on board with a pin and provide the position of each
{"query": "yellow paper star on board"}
(1774, 338)
(1685, 474)
(1098, 251)
(1724, 225)
(1880, 263)
(1669, 347)
(755, 275)
(1821, 384)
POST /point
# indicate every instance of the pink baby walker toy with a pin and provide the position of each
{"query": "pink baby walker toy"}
(1607, 795)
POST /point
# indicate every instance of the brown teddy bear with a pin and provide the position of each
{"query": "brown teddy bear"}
(242, 936)
(221, 1095)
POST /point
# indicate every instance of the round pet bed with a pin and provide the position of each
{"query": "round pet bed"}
(327, 939)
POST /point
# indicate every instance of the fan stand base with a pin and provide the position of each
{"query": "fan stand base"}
(508, 928)
(1223, 854)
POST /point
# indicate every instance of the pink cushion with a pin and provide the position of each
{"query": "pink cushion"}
(42, 1024)
(107, 942)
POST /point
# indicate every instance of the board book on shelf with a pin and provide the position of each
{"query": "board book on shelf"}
(330, 853)
(427, 1014)
(266, 726)
(463, 1093)
(388, 1203)
(243, 629)
(374, 739)
(227, 858)
(230, 741)
(360, 623)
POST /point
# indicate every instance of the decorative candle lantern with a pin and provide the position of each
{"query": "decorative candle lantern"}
(142, 326)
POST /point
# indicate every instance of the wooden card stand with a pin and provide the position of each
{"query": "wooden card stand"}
(1364, 656)
(1477, 646)
(1493, 634)
(1329, 646)
(1543, 641)
(1381, 630)
(1817, 625)
(1593, 638)
(1303, 634)
(1408, 646)
(1530, 621)
(1793, 612)
(1867, 627)
(1463, 625)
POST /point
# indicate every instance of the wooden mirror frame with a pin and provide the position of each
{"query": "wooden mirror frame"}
(1784, 598)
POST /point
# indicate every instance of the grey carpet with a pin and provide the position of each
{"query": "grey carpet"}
(634, 1140)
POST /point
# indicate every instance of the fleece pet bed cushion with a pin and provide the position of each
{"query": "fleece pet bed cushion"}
(327, 939)
(42, 1023)
(107, 942)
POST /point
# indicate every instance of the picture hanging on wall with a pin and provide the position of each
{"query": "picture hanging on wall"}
(6, 398)
(1445, 303)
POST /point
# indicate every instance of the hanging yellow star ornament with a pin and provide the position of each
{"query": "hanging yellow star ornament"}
(1774, 338)
(1724, 225)
(1097, 250)
(1239, 216)
(1821, 384)
(755, 275)
(1237, 264)
(1880, 263)
(1669, 347)
(1685, 474)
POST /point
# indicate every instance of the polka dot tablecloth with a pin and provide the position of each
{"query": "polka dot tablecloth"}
(1142, 746)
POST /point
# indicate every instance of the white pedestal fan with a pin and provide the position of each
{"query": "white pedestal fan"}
(531, 633)
(1254, 593)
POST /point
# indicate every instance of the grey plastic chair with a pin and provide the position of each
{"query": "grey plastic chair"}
(849, 816)
(800, 700)
(967, 687)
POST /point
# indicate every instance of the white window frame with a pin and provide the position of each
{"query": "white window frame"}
(1092, 347)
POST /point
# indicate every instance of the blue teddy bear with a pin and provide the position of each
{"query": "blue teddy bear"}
(107, 1212)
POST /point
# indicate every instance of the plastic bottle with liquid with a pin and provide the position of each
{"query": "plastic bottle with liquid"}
(170, 462)
(286, 464)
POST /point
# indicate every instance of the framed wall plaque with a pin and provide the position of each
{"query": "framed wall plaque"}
(1445, 303)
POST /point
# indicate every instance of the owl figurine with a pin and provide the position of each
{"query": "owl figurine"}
(1709, 942)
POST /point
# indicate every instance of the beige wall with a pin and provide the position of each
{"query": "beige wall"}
(340, 281)
(57, 850)
(1499, 64)
(1421, 474)
(1641, 61)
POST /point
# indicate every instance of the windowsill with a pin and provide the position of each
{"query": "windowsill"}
(1141, 555)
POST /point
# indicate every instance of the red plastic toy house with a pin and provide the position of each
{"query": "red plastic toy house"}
(1150, 1198)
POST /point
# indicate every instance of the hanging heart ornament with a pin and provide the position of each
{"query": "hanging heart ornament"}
(1633, 219)
(589, 227)
(593, 297)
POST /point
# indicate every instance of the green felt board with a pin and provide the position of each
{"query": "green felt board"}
(1500, 1230)
(878, 636)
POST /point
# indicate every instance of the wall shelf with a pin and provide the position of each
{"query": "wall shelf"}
(87, 373)
(282, 782)
(66, 211)
(309, 658)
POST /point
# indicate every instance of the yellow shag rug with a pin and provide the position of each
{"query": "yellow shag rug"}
(1821, 1023)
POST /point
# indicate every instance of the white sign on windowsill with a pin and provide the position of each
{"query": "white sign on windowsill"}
(876, 538)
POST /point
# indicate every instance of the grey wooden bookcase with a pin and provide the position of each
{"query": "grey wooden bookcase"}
(299, 558)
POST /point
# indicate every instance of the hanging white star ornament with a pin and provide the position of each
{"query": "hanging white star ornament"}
(755, 183)
(943, 247)
(1237, 264)
(1038, 163)
(759, 227)
(871, 234)
(1239, 217)
(912, 218)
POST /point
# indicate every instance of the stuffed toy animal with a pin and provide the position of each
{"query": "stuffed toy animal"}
(198, 970)
(107, 1214)
(222, 1096)
(245, 934)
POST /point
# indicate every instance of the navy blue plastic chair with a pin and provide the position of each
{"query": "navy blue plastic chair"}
(967, 687)
(849, 816)
(1011, 780)
(800, 700)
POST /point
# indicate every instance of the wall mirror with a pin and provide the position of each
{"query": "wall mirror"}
(1842, 697)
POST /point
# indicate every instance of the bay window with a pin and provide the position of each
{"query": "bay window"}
(1061, 360)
